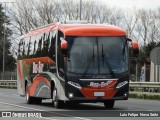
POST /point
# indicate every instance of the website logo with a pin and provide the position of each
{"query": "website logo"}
(6, 114)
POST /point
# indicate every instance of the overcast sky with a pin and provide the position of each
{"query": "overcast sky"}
(134, 3)
(125, 3)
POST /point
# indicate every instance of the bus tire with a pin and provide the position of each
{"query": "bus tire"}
(29, 99)
(109, 104)
(56, 102)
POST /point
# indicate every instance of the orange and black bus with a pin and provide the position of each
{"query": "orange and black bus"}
(74, 63)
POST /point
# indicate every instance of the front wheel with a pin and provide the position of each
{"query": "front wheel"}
(57, 103)
(109, 104)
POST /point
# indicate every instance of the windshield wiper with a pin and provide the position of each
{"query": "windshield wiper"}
(89, 63)
(107, 63)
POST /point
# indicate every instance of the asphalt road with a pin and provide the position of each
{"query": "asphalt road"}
(11, 101)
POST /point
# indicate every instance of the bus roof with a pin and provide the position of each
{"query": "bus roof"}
(91, 30)
(79, 30)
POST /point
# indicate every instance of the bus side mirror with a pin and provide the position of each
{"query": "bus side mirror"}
(134, 47)
(64, 46)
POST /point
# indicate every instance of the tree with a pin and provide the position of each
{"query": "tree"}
(146, 50)
(9, 60)
(130, 19)
(146, 19)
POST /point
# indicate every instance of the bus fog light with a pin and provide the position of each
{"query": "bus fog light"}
(125, 94)
(70, 95)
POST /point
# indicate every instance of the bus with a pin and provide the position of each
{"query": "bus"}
(74, 63)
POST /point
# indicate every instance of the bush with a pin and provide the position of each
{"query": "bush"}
(150, 97)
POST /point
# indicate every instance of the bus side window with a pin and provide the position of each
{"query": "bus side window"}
(20, 49)
(29, 48)
(25, 47)
(39, 45)
(36, 41)
(51, 48)
(60, 55)
(32, 46)
(45, 44)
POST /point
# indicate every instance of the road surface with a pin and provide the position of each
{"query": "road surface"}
(11, 101)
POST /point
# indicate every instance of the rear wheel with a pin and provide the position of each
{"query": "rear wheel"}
(109, 104)
(29, 99)
(57, 103)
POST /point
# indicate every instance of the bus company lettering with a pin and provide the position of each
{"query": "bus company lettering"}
(38, 68)
(102, 84)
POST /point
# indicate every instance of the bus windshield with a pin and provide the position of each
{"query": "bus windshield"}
(97, 55)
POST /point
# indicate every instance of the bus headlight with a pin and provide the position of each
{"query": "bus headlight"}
(74, 84)
(121, 84)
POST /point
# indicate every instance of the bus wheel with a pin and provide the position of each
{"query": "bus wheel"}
(57, 103)
(29, 99)
(109, 104)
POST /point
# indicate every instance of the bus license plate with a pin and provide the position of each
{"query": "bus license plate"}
(98, 94)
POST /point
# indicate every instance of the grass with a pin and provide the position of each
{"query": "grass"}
(8, 87)
(150, 97)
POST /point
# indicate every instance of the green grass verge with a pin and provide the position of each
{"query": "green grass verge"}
(8, 87)
(150, 97)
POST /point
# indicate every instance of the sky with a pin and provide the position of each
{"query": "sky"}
(148, 4)
(125, 4)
